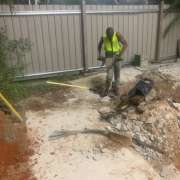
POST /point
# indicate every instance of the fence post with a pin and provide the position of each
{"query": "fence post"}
(159, 31)
(83, 34)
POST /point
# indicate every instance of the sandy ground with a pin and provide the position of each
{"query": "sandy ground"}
(89, 157)
(172, 70)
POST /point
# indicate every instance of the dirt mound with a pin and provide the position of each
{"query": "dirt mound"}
(155, 131)
(165, 85)
(154, 121)
(14, 150)
(160, 127)
(157, 126)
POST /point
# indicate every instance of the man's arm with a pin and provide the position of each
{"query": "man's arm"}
(122, 41)
(100, 46)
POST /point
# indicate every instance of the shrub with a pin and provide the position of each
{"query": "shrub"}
(11, 65)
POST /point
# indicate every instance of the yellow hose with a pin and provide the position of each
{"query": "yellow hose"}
(11, 107)
(68, 85)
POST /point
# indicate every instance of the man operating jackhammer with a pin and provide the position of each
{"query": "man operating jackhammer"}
(114, 46)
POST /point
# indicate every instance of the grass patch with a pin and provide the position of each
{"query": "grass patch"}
(39, 87)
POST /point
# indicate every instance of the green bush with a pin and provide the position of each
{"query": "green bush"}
(11, 65)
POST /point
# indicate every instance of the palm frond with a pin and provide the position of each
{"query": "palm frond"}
(174, 6)
(175, 20)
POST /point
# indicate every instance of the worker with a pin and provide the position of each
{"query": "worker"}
(114, 46)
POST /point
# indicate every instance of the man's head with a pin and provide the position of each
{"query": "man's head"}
(110, 32)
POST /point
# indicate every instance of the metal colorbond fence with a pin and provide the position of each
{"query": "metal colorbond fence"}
(65, 38)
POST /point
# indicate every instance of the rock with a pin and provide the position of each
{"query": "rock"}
(141, 108)
(151, 96)
(72, 100)
(118, 126)
(131, 109)
(122, 127)
(129, 126)
(142, 104)
(151, 137)
(105, 110)
(100, 147)
(124, 115)
(147, 158)
(109, 128)
(106, 99)
(138, 123)
(167, 171)
(177, 106)
(132, 116)
(52, 153)
(114, 121)
(148, 127)
(151, 120)
(178, 121)
(106, 113)
(137, 129)
(140, 137)
(143, 119)
(94, 158)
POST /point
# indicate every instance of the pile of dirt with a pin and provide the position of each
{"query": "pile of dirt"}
(165, 85)
(154, 121)
(156, 130)
(14, 150)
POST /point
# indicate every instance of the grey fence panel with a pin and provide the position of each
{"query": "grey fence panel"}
(65, 40)
(2, 23)
(88, 43)
(59, 45)
(72, 48)
(138, 24)
(56, 35)
(78, 44)
(33, 39)
(55, 38)
(52, 41)
(130, 33)
(28, 60)
(154, 35)
(168, 48)
(39, 44)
